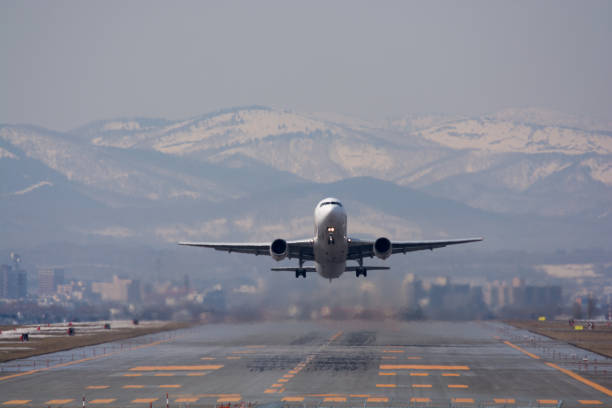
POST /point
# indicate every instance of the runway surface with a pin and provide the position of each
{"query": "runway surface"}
(359, 363)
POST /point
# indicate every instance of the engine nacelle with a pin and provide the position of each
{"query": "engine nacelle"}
(382, 248)
(279, 249)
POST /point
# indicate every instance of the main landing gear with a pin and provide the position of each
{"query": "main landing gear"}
(300, 271)
(361, 270)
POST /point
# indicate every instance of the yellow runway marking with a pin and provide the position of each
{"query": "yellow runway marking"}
(458, 386)
(386, 385)
(207, 358)
(546, 401)
(195, 374)
(144, 400)
(132, 375)
(590, 402)
(393, 351)
(170, 386)
(504, 400)
(334, 399)
(163, 375)
(419, 374)
(378, 399)
(583, 380)
(59, 401)
(70, 363)
(463, 400)
(451, 375)
(421, 385)
(389, 373)
(417, 399)
(177, 368)
(228, 399)
(282, 380)
(514, 346)
(133, 386)
(421, 367)
(192, 399)
(270, 391)
(276, 385)
(16, 402)
(103, 401)
(233, 357)
(97, 387)
(293, 399)
(288, 376)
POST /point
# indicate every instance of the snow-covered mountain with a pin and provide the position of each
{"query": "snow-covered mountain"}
(180, 177)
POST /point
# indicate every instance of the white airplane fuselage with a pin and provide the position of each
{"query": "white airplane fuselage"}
(330, 242)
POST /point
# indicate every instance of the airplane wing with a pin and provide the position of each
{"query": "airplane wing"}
(295, 249)
(364, 249)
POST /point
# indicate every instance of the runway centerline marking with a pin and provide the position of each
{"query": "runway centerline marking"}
(451, 375)
(389, 373)
(590, 402)
(59, 401)
(129, 386)
(170, 386)
(463, 400)
(419, 374)
(421, 385)
(421, 367)
(583, 380)
(393, 351)
(420, 399)
(522, 350)
(334, 399)
(378, 399)
(548, 401)
(207, 367)
(17, 402)
(458, 386)
(229, 399)
(163, 375)
(386, 385)
(103, 401)
(504, 400)
(132, 375)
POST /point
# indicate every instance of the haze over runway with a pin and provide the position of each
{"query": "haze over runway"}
(330, 363)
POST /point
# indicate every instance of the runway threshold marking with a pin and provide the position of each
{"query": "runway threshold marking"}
(583, 380)
(208, 367)
(522, 350)
(59, 401)
(421, 367)
(17, 402)
(590, 402)
(83, 360)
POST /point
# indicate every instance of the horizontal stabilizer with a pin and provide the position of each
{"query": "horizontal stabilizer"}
(304, 269)
(369, 268)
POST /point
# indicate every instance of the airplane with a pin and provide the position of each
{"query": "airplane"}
(331, 247)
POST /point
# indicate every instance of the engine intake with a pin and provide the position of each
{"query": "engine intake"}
(382, 248)
(279, 249)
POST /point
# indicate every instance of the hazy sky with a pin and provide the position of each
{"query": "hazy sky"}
(66, 63)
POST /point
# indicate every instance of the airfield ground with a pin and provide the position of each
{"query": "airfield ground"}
(598, 339)
(327, 363)
(45, 339)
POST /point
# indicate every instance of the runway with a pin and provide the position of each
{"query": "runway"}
(357, 363)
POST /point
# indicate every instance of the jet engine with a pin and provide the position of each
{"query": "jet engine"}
(279, 249)
(382, 248)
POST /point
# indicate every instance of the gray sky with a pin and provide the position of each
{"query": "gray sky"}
(67, 63)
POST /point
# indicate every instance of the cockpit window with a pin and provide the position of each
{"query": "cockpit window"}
(331, 203)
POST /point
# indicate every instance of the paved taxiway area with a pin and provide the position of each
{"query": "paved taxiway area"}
(328, 364)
